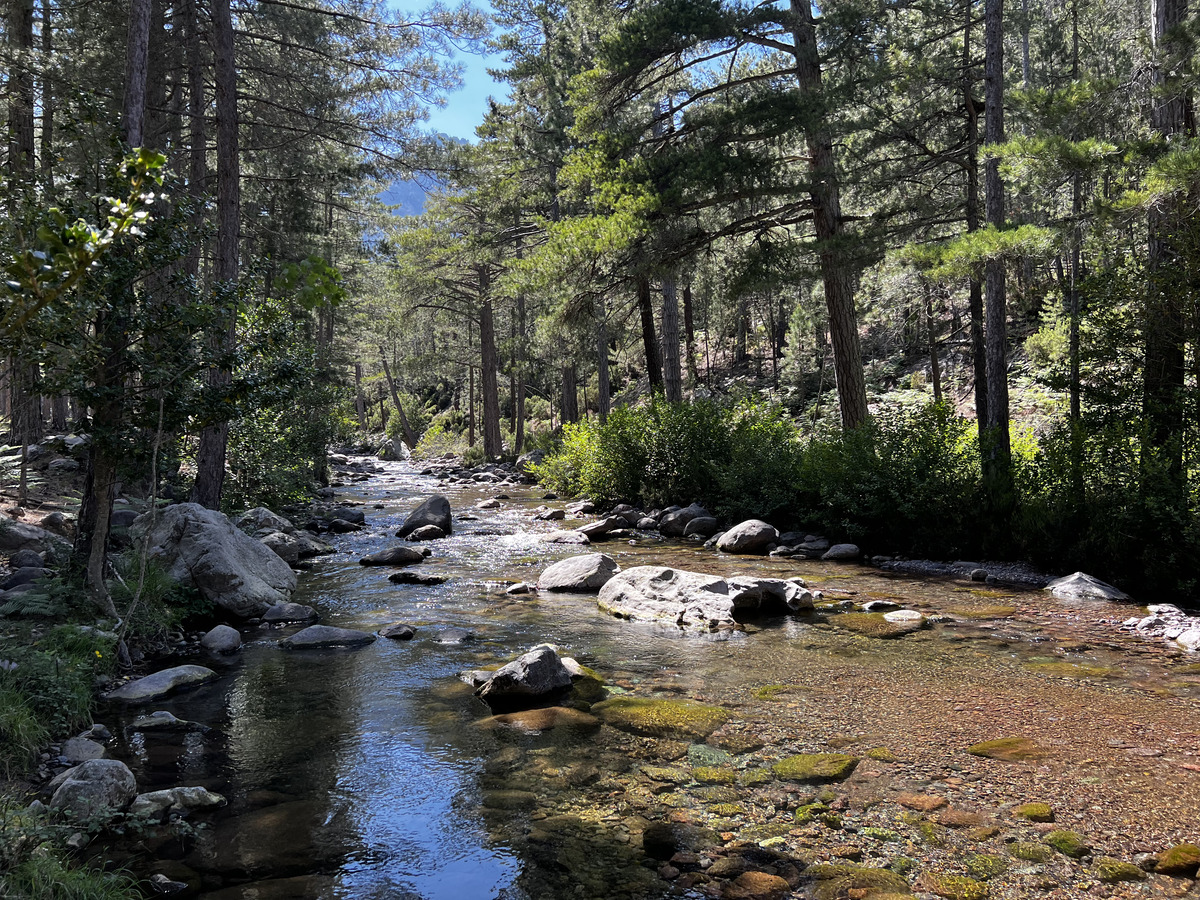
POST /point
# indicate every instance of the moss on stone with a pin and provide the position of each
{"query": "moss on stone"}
(815, 768)
(995, 611)
(1068, 843)
(1189, 669)
(880, 834)
(1112, 871)
(836, 881)
(871, 625)
(1008, 749)
(714, 775)
(753, 777)
(759, 833)
(953, 887)
(1180, 861)
(809, 812)
(982, 833)
(773, 691)
(932, 834)
(1031, 852)
(881, 754)
(588, 690)
(984, 865)
(1035, 812)
(661, 718)
(727, 810)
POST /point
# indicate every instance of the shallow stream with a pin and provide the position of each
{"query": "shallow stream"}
(374, 773)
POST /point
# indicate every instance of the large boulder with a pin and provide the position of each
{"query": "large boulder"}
(751, 536)
(1079, 586)
(527, 680)
(98, 788)
(262, 519)
(201, 547)
(583, 574)
(697, 602)
(16, 535)
(160, 684)
(673, 523)
(434, 511)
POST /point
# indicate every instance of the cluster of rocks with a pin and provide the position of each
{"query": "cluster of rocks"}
(450, 470)
(58, 455)
(1169, 623)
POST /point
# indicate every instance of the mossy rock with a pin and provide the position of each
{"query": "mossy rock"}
(995, 611)
(880, 834)
(765, 832)
(983, 866)
(1180, 861)
(1009, 749)
(1035, 812)
(815, 768)
(714, 775)
(665, 773)
(982, 833)
(1068, 843)
(588, 690)
(1112, 871)
(661, 718)
(881, 754)
(727, 810)
(1074, 670)
(810, 812)
(753, 777)
(773, 691)
(933, 835)
(1189, 669)
(872, 625)
(953, 887)
(1031, 852)
(837, 881)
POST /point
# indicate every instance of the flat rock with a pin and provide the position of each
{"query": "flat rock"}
(694, 601)
(583, 574)
(1079, 586)
(161, 720)
(545, 718)
(750, 537)
(434, 511)
(492, 503)
(566, 537)
(422, 578)
(221, 639)
(16, 535)
(399, 555)
(156, 804)
(161, 684)
(290, 614)
(315, 637)
(81, 749)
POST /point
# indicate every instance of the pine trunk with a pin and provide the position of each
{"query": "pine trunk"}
(649, 339)
(570, 395)
(604, 400)
(489, 365)
(975, 288)
(672, 374)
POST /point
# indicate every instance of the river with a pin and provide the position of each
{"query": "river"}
(374, 773)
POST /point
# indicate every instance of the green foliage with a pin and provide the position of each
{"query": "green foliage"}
(22, 735)
(163, 605)
(1048, 346)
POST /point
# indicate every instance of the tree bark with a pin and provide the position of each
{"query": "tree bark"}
(935, 367)
(837, 269)
(975, 287)
(689, 334)
(996, 450)
(197, 138)
(214, 439)
(137, 59)
(649, 339)
(519, 398)
(604, 400)
(672, 374)
(570, 395)
(493, 444)
(360, 402)
(406, 432)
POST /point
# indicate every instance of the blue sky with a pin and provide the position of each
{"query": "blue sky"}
(465, 107)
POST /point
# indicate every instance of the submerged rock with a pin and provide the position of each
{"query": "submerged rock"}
(160, 684)
(696, 601)
(434, 511)
(399, 555)
(583, 574)
(422, 578)
(815, 768)
(661, 718)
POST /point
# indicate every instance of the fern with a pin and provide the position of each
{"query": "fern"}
(35, 603)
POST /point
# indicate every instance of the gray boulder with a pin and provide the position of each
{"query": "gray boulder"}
(289, 613)
(526, 680)
(26, 559)
(673, 523)
(393, 556)
(704, 526)
(907, 619)
(315, 637)
(221, 639)
(1079, 586)
(286, 546)
(398, 632)
(551, 515)
(583, 574)
(157, 804)
(751, 536)
(122, 518)
(434, 511)
(16, 535)
(842, 552)
(566, 537)
(160, 684)
(601, 527)
(95, 789)
(24, 575)
(262, 519)
(526, 461)
(694, 601)
(349, 514)
(201, 547)
(81, 749)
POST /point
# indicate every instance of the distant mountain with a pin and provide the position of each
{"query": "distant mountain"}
(408, 196)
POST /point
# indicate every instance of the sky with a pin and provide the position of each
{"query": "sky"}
(465, 107)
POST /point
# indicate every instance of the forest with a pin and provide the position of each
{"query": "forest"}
(926, 267)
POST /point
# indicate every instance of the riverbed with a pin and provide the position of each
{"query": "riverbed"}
(375, 773)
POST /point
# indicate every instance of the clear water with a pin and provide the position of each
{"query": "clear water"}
(374, 773)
